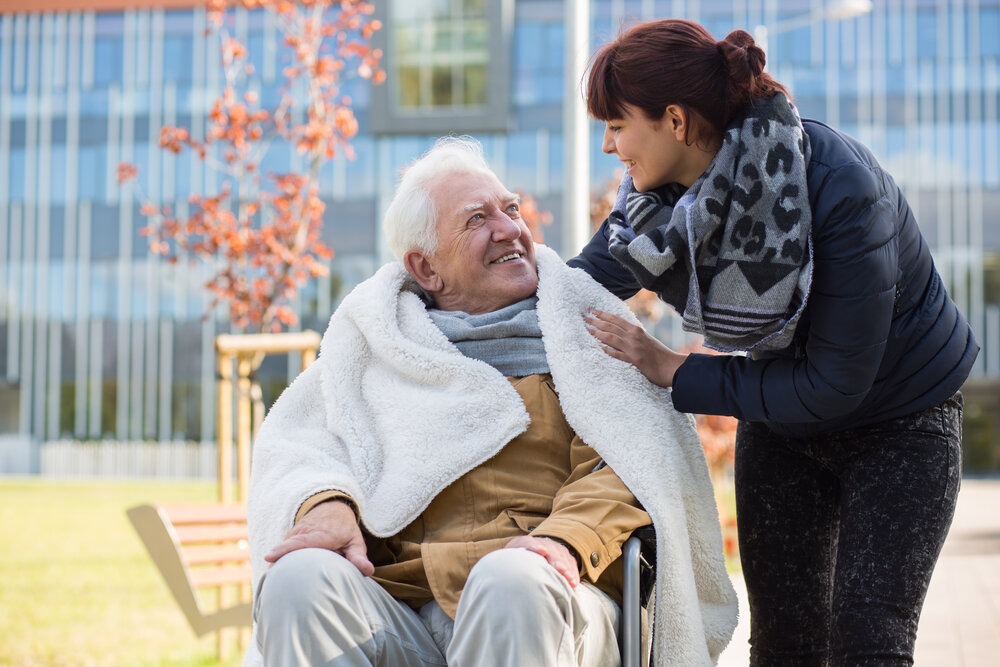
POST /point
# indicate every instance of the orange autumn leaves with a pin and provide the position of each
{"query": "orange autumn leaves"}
(261, 233)
(718, 439)
(534, 217)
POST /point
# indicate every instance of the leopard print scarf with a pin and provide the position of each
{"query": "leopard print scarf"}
(732, 254)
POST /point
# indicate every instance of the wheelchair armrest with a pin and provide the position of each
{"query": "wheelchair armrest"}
(647, 562)
(639, 565)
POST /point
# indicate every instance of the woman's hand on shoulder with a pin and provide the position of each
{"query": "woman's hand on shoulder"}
(631, 343)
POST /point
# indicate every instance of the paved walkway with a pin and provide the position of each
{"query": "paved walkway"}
(960, 622)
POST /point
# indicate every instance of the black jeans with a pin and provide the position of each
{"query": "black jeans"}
(839, 534)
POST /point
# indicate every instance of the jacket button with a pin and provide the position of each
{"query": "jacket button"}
(595, 560)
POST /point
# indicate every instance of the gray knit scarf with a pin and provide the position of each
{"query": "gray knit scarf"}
(508, 339)
(732, 254)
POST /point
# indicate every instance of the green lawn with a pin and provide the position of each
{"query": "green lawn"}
(78, 586)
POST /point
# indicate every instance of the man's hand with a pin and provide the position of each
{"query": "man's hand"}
(631, 343)
(556, 553)
(330, 525)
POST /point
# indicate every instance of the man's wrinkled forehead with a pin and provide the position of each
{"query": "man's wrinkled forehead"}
(458, 194)
(503, 197)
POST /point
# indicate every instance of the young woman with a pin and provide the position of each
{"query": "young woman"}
(783, 238)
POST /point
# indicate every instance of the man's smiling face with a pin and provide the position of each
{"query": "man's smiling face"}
(485, 257)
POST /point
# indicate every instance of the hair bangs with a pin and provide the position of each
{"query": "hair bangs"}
(604, 92)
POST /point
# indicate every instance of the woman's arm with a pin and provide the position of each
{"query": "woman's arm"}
(851, 308)
(855, 264)
(602, 267)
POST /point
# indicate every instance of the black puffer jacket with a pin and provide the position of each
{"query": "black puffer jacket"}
(880, 337)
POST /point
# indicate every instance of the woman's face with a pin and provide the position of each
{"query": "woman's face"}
(655, 152)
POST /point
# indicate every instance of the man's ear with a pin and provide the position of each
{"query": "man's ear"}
(677, 121)
(419, 266)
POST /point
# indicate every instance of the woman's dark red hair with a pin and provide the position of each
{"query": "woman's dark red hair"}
(672, 61)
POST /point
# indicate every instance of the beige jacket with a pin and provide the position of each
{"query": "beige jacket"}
(543, 483)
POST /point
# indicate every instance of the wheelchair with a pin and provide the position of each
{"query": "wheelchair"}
(639, 582)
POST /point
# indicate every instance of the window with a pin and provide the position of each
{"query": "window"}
(17, 167)
(177, 57)
(794, 46)
(927, 32)
(538, 63)
(989, 28)
(448, 66)
(108, 60)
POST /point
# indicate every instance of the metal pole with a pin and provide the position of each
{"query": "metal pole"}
(575, 223)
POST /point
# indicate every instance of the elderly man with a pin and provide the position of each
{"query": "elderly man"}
(446, 484)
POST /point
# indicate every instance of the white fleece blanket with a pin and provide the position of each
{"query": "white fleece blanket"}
(391, 413)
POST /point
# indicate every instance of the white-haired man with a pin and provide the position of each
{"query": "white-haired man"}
(440, 488)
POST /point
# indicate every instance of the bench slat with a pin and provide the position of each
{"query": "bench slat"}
(199, 555)
(205, 512)
(204, 577)
(227, 532)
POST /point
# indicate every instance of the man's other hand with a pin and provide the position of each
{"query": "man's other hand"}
(330, 525)
(555, 552)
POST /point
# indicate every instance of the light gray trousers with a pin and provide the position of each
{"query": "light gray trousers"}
(315, 608)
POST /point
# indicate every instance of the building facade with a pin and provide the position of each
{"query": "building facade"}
(100, 340)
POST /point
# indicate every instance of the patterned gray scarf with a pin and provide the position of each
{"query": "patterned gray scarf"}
(508, 339)
(732, 254)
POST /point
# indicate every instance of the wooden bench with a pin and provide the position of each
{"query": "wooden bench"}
(200, 546)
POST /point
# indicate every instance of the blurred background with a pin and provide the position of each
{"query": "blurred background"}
(101, 340)
(108, 366)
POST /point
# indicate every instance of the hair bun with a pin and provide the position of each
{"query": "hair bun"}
(744, 59)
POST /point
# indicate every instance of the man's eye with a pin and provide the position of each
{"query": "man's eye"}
(478, 217)
(514, 207)
(614, 128)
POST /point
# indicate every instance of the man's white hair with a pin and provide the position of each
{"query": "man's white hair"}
(410, 222)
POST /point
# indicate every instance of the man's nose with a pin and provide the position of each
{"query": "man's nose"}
(505, 228)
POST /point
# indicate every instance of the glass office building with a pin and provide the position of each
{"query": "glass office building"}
(99, 339)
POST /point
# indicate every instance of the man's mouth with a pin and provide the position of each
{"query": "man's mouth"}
(506, 258)
(629, 163)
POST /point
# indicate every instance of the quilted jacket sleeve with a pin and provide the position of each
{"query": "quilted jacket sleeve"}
(597, 261)
(855, 260)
